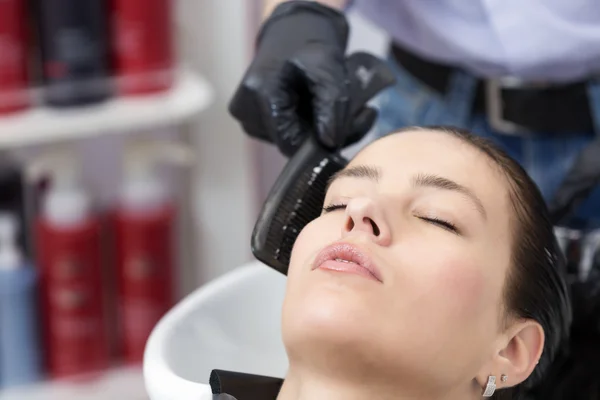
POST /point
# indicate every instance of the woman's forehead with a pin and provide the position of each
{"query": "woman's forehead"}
(400, 157)
(420, 149)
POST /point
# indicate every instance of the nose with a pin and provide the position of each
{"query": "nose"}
(364, 217)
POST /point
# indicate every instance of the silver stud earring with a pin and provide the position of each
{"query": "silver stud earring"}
(503, 378)
(490, 388)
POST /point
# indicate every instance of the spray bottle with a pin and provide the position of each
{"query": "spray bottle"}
(71, 278)
(145, 243)
(20, 359)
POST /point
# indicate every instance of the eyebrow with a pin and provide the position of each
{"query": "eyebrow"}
(439, 182)
(357, 171)
(421, 180)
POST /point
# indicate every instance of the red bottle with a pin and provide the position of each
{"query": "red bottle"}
(145, 275)
(143, 43)
(145, 246)
(71, 278)
(13, 57)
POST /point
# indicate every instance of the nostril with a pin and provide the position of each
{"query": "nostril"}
(349, 224)
(376, 230)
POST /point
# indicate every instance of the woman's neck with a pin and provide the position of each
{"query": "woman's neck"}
(304, 385)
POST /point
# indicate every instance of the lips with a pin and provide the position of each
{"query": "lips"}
(346, 257)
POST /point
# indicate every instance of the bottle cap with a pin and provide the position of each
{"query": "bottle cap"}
(66, 203)
(142, 187)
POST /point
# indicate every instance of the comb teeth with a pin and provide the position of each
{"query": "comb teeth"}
(302, 195)
(303, 204)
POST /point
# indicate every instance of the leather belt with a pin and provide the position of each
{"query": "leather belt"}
(512, 106)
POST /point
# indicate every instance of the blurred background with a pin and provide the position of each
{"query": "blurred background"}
(117, 154)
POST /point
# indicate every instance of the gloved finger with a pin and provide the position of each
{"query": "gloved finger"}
(280, 112)
(244, 107)
(362, 123)
(331, 119)
(252, 105)
(255, 130)
(267, 108)
(291, 135)
(325, 74)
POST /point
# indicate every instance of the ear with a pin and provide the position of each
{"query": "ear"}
(518, 353)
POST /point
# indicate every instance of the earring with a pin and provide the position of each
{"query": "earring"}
(490, 388)
(503, 378)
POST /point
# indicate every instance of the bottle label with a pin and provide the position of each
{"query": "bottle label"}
(140, 267)
(12, 54)
(140, 317)
(75, 47)
(76, 324)
(74, 327)
(14, 93)
(69, 267)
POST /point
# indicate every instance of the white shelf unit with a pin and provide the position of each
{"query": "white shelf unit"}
(121, 383)
(189, 95)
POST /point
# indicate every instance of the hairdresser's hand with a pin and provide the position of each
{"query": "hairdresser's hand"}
(298, 81)
(581, 179)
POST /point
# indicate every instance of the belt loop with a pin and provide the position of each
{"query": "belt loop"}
(460, 96)
(593, 89)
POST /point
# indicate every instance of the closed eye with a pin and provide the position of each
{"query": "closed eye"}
(441, 223)
(435, 221)
(333, 207)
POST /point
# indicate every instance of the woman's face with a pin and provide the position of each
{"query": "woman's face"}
(429, 216)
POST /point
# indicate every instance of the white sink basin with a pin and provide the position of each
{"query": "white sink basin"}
(232, 323)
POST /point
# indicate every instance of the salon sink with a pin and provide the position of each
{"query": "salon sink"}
(231, 323)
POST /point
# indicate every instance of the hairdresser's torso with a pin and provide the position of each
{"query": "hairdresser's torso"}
(533, 39)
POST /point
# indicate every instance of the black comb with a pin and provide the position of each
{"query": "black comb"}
(297, 196)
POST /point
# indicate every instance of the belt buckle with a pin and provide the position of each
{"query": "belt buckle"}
(494, 104)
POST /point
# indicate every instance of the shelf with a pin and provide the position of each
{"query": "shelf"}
(189, 95)
(122, 383)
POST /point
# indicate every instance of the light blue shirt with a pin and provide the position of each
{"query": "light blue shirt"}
(555, 40)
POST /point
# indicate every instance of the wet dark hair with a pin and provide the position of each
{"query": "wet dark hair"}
(535, 287)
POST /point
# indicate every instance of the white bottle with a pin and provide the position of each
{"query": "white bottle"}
(66, 204)
(142, 188)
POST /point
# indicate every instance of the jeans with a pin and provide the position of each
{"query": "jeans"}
(547, 159)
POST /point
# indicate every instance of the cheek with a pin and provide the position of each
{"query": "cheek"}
(463, 282)
(445, 304)
(310, 241)
(451, 280)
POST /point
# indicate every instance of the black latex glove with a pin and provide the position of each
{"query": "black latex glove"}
(581, 179)
(298, 81)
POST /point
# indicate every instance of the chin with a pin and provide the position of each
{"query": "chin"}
(329, 332)
(327, 316)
